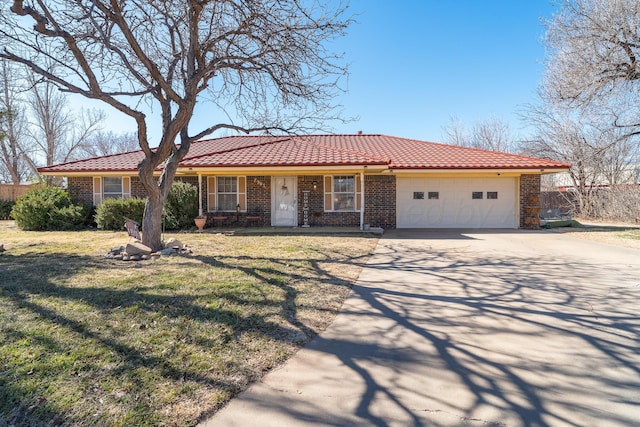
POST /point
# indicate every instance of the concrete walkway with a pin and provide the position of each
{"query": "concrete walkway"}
(503, 328)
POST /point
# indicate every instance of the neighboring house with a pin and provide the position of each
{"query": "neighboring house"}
(336, 180)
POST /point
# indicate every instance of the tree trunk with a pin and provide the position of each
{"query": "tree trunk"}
(152, 221)
(157, 190)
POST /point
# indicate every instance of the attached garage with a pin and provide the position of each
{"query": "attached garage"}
(427, 202)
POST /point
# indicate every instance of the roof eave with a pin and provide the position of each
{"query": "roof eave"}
(534, 170)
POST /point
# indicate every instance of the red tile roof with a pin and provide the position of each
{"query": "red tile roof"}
(319, 150)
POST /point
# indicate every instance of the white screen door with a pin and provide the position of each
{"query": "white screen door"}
(284, 209)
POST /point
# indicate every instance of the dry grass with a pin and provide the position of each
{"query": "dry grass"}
(620, 236)
(88, 341)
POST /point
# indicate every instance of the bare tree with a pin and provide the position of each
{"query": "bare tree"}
(14, 168)
(600, 154)
(594, 49)
(491, 134)
(102, 143)
(264, 63)
(56, 132)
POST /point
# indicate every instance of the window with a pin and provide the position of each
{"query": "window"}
(342, 193)
(225, 193)
(227, 190)
(418, 195)
(110, 187)
(476, 195)
(434, 195)
(493, 195)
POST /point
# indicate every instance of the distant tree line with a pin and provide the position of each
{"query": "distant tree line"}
(38, 127)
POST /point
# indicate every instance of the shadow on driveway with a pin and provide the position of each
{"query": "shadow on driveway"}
(468, 328)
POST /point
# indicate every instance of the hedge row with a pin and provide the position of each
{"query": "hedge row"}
(51, 208)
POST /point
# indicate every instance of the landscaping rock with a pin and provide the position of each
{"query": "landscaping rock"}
(115, 253)
(137, 248)
(174, 244)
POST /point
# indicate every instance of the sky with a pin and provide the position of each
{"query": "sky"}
(416, 64)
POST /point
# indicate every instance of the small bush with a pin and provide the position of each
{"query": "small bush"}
(181, 206)
(68, 218)
(111, 213)
(5, 208)
(47, 208)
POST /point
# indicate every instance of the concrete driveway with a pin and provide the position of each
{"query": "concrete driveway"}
(489, 328)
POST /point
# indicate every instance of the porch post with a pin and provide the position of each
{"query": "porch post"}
(199, 195)
(362, 200)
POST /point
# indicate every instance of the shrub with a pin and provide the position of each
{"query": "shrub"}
(68, 218)
(47, 208)
(181, 206)
(5, 208)
(111, 213)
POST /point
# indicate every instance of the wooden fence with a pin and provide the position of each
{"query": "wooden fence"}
(13, 191)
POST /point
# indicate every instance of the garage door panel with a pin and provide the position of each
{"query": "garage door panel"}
(455, 207)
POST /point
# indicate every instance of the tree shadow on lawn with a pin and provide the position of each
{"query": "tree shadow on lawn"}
(36, 290)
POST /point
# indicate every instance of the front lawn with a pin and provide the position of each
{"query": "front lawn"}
(619, 236)
(90, 341)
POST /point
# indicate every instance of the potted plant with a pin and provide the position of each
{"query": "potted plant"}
(200, 221)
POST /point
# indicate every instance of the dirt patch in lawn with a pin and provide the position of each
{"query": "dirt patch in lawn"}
(91, 341)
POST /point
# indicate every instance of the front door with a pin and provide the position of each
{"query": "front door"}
(284, 209)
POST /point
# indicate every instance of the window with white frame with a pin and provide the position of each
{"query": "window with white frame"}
(112, 187)
(227, 192)
(342, 193)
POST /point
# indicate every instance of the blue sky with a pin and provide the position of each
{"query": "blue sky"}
(415, 64)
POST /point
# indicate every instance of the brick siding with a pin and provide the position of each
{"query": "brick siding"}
(81, 189)
(530, 201)
(380, 201)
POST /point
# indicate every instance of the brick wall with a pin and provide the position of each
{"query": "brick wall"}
(81, 189)
(530, 201)
(137, 190)
(258, 200)
(317, 215)
(380, 201)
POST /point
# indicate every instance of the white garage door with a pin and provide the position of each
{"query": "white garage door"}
(456, 203)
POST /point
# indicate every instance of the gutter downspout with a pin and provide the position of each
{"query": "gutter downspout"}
(362, 200)
(199, 195)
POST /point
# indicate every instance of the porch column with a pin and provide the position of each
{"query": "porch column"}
(361, 200)
(199, 195)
